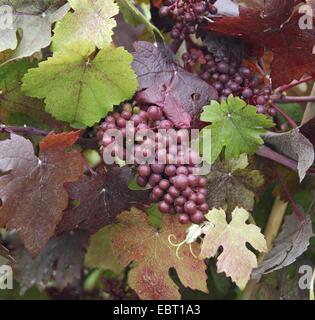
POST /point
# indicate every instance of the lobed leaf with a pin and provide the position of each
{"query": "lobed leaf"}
(61, 260)
(35, 20)
(236, 260)
(276, 28)
(92, 20)
(134, 239)
(291, 243)
(39, 182)
(90, 88)
(294, 145)
(231, 183)
(100, 199)
(179, 93)
(235, 126)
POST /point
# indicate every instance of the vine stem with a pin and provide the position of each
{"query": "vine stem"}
(289, 197)
(291, 122)
(290, 99)
(270, 154)
(310, 109)
(294, 84)
(175, 45)
(28, 131)
(25, 130)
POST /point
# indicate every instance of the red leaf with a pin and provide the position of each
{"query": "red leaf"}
(274, 30)
(59, 141)
(179, 93)
(61, 260)
(101, 198)
(31, 189)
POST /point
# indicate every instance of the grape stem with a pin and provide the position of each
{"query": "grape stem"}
(270, 154)
(289, 197)
(291, 122)
(290, 99)
(294, 84)
(25, 130)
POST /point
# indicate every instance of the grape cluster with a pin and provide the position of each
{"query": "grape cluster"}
(229, 77)
(170, 170)
(176, 190)
(187, 15)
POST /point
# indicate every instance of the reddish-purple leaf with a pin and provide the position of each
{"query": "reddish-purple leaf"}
(273, 28)
(101, 198)
(164, 83)
(308, 130)
(32, 189)
(61, 260)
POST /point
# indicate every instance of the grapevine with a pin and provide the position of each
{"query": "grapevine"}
(156, 150)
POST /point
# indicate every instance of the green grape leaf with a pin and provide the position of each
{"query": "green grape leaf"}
(235, 126)
(155, 216)
(134, 239)
(134, 17)
(236, 260)
(34, 19)
(89, 88)
(91, 20)
(232, 183)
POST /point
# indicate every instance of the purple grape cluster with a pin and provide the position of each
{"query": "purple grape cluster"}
(174, 186)
(152, 118)
(229, 77)
(187, 15)
(176, 190)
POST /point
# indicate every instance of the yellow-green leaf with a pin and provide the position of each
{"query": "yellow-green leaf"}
(91, 20)
(79, 89)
